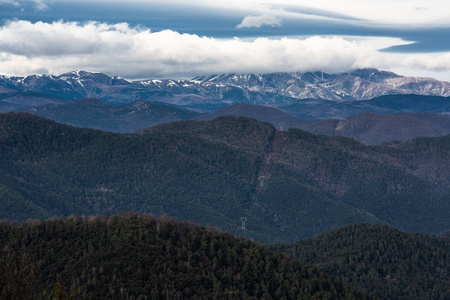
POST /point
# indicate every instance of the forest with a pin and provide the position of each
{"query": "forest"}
(209, 172)
(380, 260)
(62, 189)
(139, 256)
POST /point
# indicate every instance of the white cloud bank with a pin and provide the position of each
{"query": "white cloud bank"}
(134, 52)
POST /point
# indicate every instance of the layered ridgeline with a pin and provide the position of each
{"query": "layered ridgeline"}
(367, 127)
(288, 184)
(381, 260)
(141, 257)
(395, 123)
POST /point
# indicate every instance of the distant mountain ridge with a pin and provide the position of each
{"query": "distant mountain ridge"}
(13, 99)
(221, 90)
(319, 109)
(96, 114)
(368, 127)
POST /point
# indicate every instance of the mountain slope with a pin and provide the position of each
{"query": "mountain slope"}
(381, 260)
(374, 129)
(138, 256)
(94, 113)
(387, 182)
(13, 100)
(259, 112)
(318, 109)
(288, 184)
(368, 128)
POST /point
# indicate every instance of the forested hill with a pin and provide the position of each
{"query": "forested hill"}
(136, 256)
(290, 185)
(381, 260)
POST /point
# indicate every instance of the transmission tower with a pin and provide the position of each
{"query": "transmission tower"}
(268, 157)
(281, 125)
(243, 220)
(261, 180)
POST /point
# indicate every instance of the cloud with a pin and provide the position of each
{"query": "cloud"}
(258, 21)
(137, 52)
(11, 2)
(40, 5)
(384, 12)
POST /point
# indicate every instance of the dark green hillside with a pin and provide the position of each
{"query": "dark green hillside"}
(381, 260)
(140, 257)
(323, 179)
(290, 185)
(208, 175)
(373, 179)
(235, 131)
(427, 158)
(65, 170)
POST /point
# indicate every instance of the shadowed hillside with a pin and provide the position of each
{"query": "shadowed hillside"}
(288, 184)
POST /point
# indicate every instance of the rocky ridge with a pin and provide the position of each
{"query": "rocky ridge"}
(221, 90)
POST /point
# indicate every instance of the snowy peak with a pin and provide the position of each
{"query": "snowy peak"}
(374, 75)
(361, 84)
(80, 77)
(222, 89)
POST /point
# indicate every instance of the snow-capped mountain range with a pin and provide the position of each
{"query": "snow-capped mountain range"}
(224, 89)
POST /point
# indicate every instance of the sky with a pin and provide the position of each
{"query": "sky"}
(139, 39)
